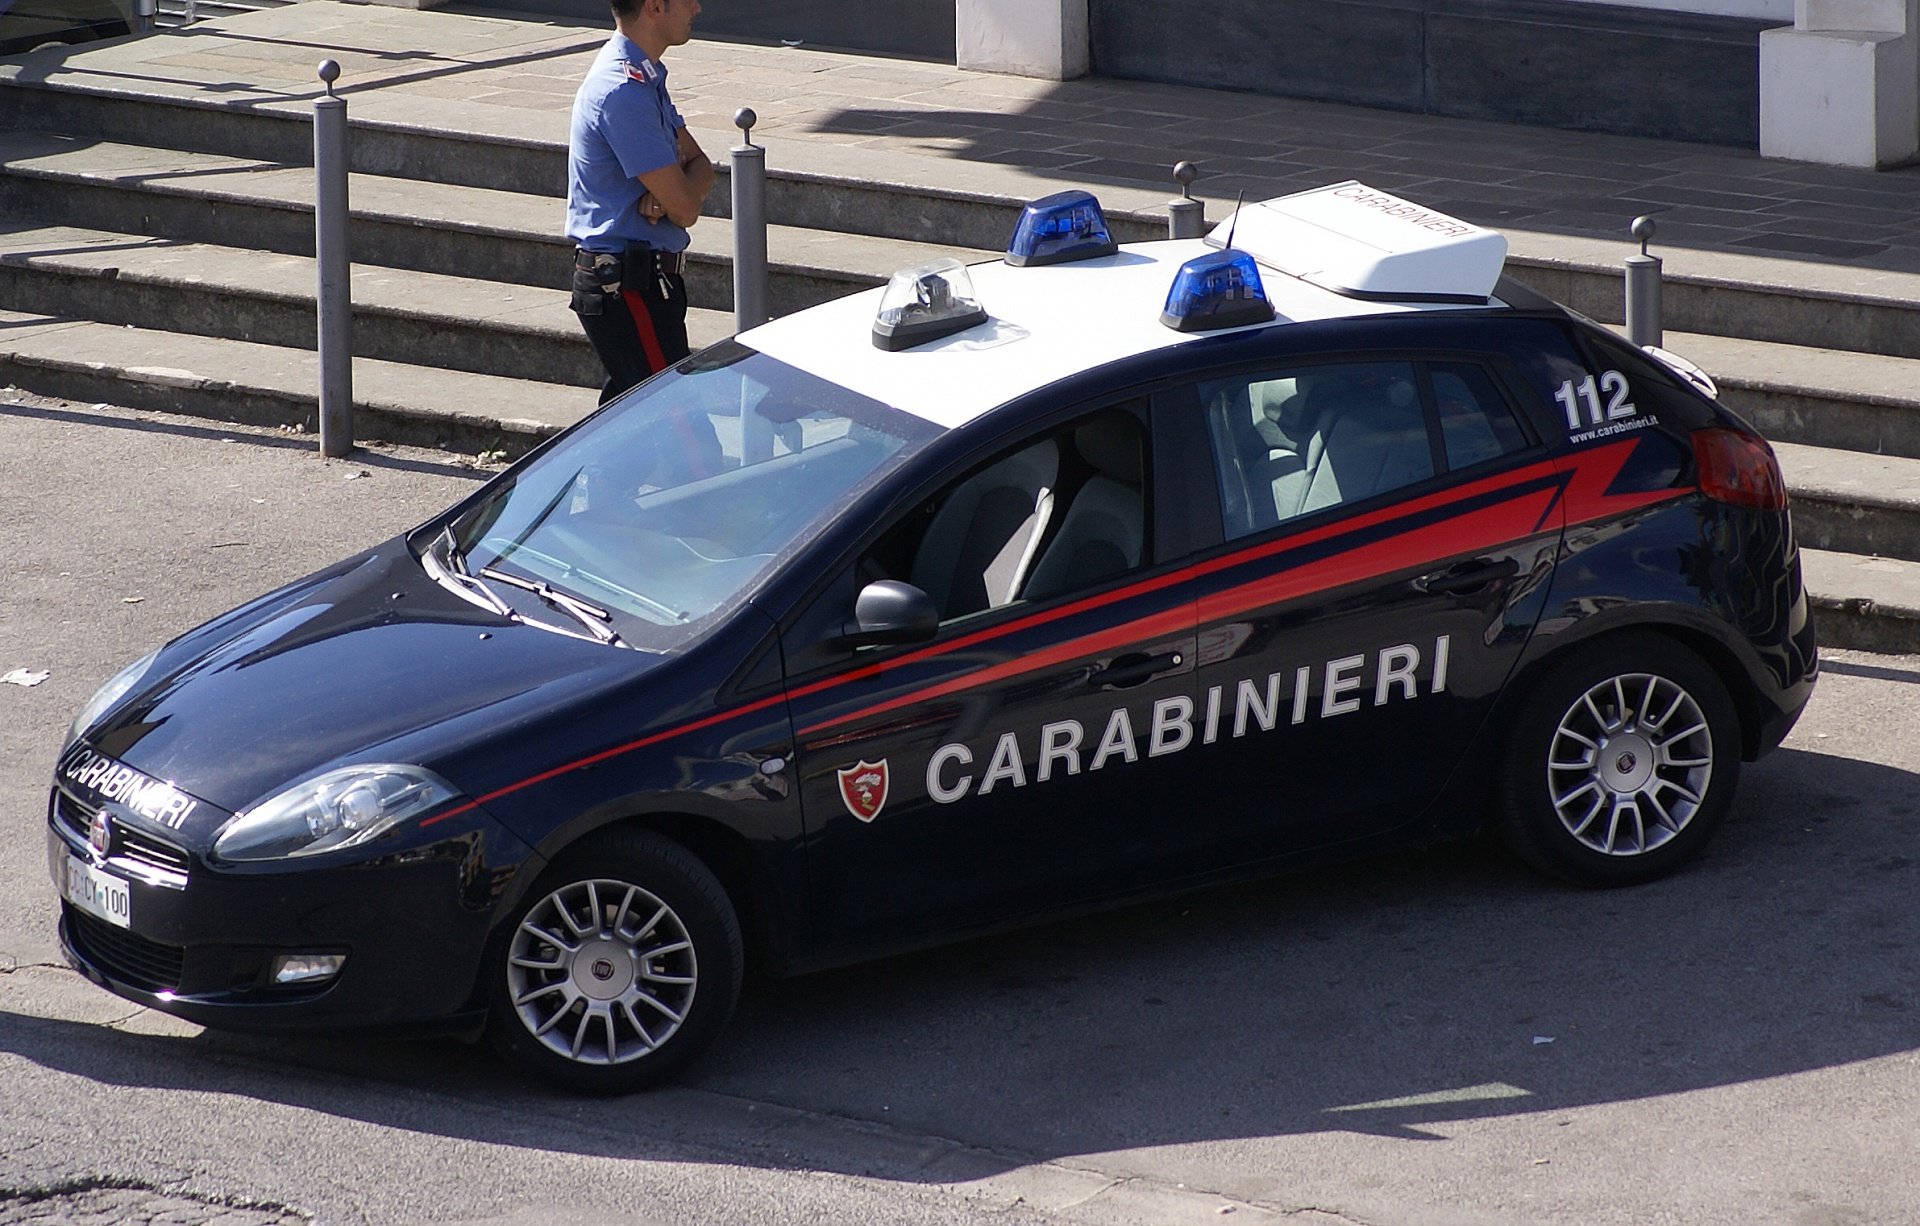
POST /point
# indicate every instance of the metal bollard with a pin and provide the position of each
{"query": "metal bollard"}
(749, 174)
(1643, 288)
(335, 290)
(144, 11)
(1186, 217)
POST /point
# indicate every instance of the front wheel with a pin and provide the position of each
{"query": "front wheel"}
(1621, 763)
(621, 966)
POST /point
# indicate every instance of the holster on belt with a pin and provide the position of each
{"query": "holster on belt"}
(598, 275)
(645, 265)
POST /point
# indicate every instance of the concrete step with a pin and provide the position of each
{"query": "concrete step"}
(941, 201)
(1866, 603)
(1849, 502)
(523, 332)
(422, 319)
(273, 385)
(1828, 397)
(1758, 298)
(398, 223)
(1864, 600)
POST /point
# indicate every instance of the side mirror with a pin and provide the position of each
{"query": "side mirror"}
(889, 611)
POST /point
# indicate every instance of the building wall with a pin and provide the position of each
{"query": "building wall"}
(1558, 63)
(918, 28)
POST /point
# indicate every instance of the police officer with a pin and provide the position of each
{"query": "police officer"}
(635, 180)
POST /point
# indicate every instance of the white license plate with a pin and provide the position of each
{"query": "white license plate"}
(96, 893)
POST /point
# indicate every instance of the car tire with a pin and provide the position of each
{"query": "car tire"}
(1620, 763)
(620, 966)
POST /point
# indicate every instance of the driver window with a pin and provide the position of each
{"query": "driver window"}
(1053, 516)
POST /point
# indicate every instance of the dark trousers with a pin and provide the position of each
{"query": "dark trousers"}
(638, 329)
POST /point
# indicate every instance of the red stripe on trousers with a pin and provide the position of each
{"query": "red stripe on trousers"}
(643, 325)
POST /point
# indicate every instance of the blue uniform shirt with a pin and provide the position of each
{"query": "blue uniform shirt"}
(624, 125)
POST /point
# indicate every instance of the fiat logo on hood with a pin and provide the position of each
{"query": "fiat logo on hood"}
(100, 833)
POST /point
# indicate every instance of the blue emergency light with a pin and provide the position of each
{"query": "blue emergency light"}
(1058, 229)
(1220, 289)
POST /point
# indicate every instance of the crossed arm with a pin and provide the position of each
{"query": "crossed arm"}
(675, 192)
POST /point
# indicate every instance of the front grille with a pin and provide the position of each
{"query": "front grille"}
(74, 815)
(124, 955)
(142, 848)
(132, 849)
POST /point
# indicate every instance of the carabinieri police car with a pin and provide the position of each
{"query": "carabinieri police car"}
(1002, 591)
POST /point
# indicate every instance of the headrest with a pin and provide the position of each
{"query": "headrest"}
(1112, 446)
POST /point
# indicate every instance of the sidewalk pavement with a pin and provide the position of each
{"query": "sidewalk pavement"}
(484, 71)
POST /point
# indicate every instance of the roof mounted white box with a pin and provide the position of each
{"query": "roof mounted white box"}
(1364, 243)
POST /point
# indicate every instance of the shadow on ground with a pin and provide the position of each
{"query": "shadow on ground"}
(1388, 997)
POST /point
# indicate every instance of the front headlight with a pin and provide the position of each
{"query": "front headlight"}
(342, 808)
(113, 691)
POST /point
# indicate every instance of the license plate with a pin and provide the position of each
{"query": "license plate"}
(96, 893)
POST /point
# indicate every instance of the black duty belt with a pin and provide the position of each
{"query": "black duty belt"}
(674, 262)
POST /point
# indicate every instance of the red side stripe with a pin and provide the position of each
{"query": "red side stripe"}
(1584, 500)
(667, 734)
(1177, 620)
(1495, 525)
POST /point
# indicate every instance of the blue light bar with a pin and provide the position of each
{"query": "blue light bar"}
(1058, 229)
(1220, 289)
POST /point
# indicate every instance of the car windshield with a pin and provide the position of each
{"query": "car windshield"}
(669, 506)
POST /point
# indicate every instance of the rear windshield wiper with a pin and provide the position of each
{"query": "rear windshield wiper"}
(593, 617)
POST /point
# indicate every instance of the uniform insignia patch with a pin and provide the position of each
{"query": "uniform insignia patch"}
(643, 72)
(863, 786)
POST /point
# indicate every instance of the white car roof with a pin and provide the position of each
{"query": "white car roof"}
(1050, 322)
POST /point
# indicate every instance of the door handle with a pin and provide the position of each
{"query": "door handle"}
(1134, 669)
(1468, 577)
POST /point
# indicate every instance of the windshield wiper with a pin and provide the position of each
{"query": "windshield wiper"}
(593, 617)
(455, 569)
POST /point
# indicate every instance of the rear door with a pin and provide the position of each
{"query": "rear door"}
(1390, 525)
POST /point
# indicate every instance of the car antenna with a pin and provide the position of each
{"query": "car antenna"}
(1235, 223)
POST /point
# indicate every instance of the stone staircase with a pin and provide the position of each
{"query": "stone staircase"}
(155, 252)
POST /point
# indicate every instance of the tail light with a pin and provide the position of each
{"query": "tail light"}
(1738, 468)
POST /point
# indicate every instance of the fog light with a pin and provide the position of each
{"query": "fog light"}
(306, 968)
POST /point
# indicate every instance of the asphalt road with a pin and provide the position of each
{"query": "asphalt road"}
(1423, 1039)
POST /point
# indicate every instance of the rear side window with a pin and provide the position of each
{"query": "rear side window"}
(1476, 423)
(1293, 442)
(1297, 441)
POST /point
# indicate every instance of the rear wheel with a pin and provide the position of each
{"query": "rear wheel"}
(1621, 763)
(621, 966)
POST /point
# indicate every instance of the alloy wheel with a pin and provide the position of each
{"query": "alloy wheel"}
(1630, 764)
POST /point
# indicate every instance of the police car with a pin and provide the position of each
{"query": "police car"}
(1003, 591)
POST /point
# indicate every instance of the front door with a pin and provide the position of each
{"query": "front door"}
(1030, 756)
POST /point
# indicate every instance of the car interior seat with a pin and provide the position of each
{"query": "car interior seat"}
(1103, 529)
(1366, 435)
(1253, 448)
(979, 546)
(1280, 408)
